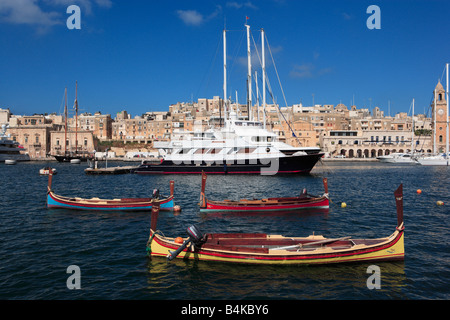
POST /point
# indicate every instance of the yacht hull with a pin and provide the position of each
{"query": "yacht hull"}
(301, 164)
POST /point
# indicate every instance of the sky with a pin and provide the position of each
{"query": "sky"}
(144, 55)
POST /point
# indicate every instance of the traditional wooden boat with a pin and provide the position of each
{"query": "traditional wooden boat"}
(304, 201)
(255, 248)
(123, 204)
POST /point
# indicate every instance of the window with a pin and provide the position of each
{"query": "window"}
(440, 138)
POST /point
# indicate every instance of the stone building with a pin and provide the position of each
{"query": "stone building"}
(34, 134)
(80, 141)
(99, 124)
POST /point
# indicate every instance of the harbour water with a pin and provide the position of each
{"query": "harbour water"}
(39, 244)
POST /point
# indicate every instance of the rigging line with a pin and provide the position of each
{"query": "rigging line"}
(290, 128)
(62, 104)
(209, 73)
(234, 57)
(282, 91)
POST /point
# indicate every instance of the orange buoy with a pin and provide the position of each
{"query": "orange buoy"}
(177, 208)
(419, 191)
(178, 240)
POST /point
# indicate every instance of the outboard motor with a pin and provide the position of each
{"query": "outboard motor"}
(304, 193)
(155, 194)
(195, 236)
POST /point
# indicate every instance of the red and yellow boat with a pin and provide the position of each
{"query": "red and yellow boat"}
(304, 201)
(259, 248)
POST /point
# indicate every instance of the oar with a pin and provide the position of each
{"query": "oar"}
(301, 245)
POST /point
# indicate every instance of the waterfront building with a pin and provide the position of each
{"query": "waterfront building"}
(77, 141)
(33, 133)
(372, 143)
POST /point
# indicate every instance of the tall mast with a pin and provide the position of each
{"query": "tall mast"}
(412, 129)
(434, 125)
(237, 103)
(65, 120)
(257, 95)
(447, 138)
(76, 117)
(263, 76)
(225, 73)
(249, 76)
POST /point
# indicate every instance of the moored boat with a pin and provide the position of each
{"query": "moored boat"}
(10, 161)
(122, 204)
(259, 248)
(303, 201)
(11, 151)
(69, 156)
(46, 171)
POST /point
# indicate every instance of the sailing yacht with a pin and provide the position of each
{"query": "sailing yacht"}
(71, 156)
(444, 158)
(242, 146)
(403, 157)
(397, 157)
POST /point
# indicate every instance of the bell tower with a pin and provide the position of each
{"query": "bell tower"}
(440, 116)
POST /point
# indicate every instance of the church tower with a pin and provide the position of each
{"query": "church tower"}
(440, 117)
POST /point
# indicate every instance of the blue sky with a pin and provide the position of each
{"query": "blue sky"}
(143, 56)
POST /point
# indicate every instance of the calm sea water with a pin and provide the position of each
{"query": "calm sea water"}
(38, 244)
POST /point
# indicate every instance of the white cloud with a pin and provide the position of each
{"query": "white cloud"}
(27, 12)
(191, 17)
(195, 18)
(307, 71)
(238, 5)
(302, 71)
